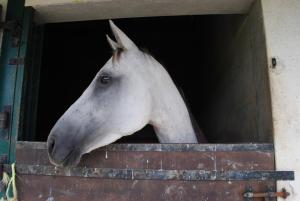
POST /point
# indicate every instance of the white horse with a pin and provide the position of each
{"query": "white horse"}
(130, 91)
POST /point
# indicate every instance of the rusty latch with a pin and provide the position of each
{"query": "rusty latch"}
(267, 195)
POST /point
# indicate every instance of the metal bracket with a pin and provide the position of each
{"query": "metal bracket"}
(249, 190)
(268, 196)
(5, 121)
(15, 27)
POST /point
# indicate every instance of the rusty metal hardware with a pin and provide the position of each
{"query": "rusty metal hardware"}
(267, 195)
(16, 61)
(15, 28)
(4, 120)
(4, 117)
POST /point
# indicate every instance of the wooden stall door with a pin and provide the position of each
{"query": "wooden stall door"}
(150, 172)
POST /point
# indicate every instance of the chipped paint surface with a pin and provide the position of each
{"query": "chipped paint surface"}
(282, 27)
(260, 147)
(150, 174)
(50, 198)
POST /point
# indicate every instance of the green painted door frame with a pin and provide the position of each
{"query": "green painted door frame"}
(12, 75)
(19, 79)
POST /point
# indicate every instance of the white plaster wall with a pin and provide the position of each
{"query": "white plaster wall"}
(282, 26)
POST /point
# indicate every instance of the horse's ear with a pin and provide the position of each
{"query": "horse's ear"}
(112, 43)
(122, 40)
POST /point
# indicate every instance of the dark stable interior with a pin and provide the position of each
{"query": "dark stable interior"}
(74, 52)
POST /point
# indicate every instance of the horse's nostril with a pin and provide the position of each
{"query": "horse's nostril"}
(51, 145)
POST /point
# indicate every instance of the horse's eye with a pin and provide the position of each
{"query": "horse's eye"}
(105, 79)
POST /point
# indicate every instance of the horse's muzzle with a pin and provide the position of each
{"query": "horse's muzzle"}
(62, 152)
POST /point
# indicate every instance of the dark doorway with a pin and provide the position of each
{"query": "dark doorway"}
(74, 52)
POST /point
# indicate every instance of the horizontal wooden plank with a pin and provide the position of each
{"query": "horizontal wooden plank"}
(166, 147)
(126, 157)
(157, 160)
(150, 174)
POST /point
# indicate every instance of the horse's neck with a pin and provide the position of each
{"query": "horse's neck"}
(170, 117)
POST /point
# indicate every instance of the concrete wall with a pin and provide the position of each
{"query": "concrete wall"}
(282, 25)
(68, 10)
(240, 107)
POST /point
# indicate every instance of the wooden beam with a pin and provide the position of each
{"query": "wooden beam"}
(79, 10)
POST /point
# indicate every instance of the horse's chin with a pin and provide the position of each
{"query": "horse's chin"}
(71, 160)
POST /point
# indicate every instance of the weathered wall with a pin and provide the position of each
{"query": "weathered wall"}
(282, 25)
(240, 107)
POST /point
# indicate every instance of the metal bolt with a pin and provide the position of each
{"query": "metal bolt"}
(274, 62)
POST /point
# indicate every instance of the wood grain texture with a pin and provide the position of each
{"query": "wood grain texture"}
(64, 188)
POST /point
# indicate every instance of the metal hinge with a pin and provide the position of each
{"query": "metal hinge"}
(16, 61)
(15, 28)
(4, 117)
(5, 121)
(270, 195)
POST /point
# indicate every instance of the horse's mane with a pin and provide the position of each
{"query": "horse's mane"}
(199, 133)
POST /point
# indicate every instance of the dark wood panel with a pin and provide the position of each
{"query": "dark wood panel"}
(228, 161)
(87, 189)
(116, 156)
